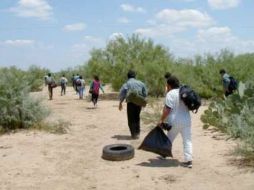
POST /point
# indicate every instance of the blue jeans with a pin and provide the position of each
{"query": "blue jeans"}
(81, 92)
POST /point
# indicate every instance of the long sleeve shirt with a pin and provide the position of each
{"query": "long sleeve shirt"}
(132, 84)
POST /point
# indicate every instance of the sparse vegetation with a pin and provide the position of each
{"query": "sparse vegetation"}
(59, 127)
(234, 116)
(152, 112)
(150, 61)
(18, 109)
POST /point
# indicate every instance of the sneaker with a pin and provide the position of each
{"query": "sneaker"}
(187, 164)
(161, 157)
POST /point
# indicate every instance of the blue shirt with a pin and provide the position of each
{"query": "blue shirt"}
(132, 84)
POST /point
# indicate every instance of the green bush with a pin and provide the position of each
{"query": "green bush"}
(234, 115)
(18, 109)
(151, 61)
(35, 77)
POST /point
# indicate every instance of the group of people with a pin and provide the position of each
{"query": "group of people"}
(51, 83)
(175, 113)
(78, 83)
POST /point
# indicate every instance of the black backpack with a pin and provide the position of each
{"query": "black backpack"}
(78, 82)
(190, 98)
(232, 84)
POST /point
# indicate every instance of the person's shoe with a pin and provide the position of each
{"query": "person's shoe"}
(187, 164)
(162, 157)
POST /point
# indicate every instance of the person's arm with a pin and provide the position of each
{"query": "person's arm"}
(144, 91)
(169, 104)
(165, 112)
(120, 107)
(91, 85)
(122, 96)
(101, 88)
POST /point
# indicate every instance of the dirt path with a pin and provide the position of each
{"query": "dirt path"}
(38, 160)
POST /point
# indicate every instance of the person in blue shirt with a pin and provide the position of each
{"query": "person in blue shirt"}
(133, 110)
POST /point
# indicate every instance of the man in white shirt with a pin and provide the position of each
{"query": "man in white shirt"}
(176, 114)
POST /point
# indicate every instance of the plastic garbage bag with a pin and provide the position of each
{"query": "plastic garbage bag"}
(157, 142)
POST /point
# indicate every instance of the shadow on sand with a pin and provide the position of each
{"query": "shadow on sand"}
(122, 137)
(160, 163)
(91, 108)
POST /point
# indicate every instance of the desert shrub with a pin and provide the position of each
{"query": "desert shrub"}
(58, 127)
(18, 109)
(152, 112)
(149, 60)
(234, 116)
(35, 77)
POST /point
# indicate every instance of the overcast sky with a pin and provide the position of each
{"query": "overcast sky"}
(57, 34)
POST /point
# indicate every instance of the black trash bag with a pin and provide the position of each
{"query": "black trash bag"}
(157, 142)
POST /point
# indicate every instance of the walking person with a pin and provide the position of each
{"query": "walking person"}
(51, 84)
(45, 80)
(176, 114)
(73, 81)
(80, 82)
(225, 77)
(63, 82)
(75, 78)
(95, 87)
(133, 110)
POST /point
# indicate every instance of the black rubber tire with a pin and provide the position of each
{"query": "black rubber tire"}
(118, 152)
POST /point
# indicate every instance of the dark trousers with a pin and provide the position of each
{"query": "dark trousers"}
(95, 98)
(50, 89)
(133, 114)
(63, 89)
(227, 93)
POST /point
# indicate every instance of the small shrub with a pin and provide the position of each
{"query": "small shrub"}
(59, 127)
(18, 109)
(153, 112)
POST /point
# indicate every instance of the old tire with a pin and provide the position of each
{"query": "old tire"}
(118, 152)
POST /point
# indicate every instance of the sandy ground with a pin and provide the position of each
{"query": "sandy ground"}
(38, 160)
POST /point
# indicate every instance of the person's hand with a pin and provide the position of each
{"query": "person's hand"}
(164, 126)
(120, 107)
(159, 124)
